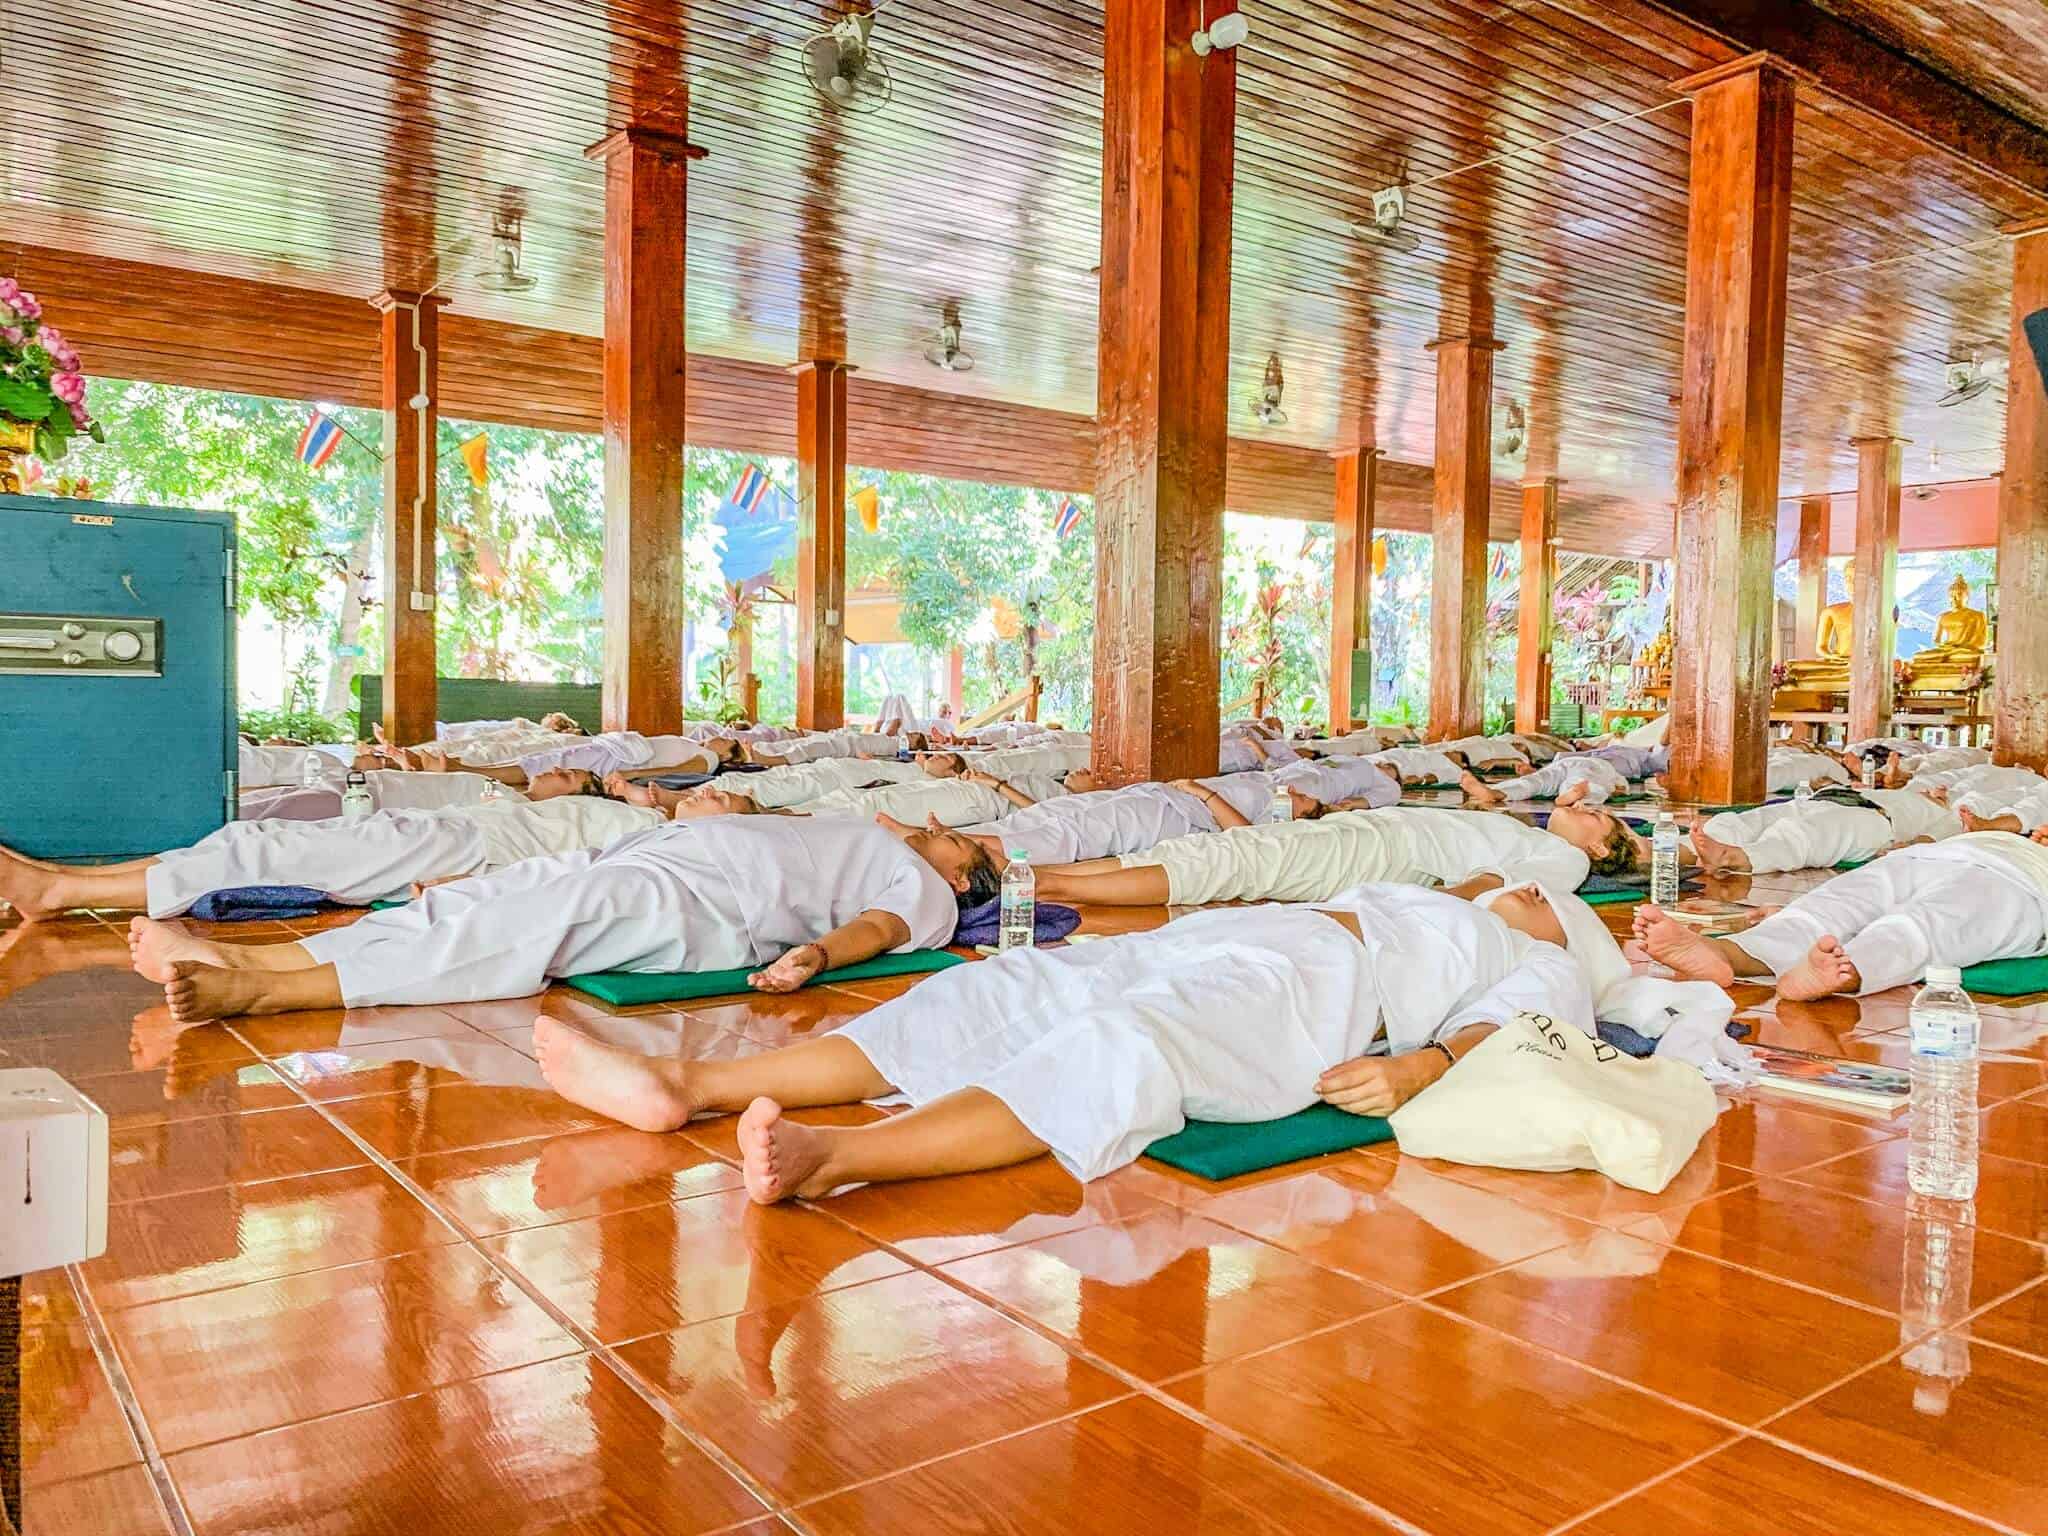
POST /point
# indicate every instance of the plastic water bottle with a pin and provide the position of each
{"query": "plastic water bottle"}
(1934, 1296)
(1801, 793)
(1664, 861)
(312, 772)
(355, 797)
(493, 792)
(1941, 1159)
(1870, 770)
(1283, 805)
(1020, 904)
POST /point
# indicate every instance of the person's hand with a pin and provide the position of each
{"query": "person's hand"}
(2039, 835)
(619, 787)
(1187, 787)
(981, 776)
(1379, 1085)
(796, 967)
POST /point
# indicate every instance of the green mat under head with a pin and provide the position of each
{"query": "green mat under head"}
(2008, 978)
(1210, 1149)
(1612, 898)
(627, 989)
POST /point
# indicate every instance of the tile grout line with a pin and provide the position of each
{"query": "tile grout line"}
(1645, 1485)
(169, 1502)
(586, 1340)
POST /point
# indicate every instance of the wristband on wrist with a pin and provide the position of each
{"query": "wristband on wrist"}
(1450, 1059)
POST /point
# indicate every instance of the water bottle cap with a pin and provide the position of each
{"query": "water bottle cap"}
(1944, 976)
(1021, 853)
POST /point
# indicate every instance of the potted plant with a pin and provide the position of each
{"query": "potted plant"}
(42, 387)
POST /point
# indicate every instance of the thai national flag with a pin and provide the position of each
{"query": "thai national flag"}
(318, 442)
(751, 489)
(1067, 519)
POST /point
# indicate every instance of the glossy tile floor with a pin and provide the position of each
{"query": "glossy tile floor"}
(366, 1274)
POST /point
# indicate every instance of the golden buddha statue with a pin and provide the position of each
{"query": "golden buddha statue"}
(1958, 649)
(1828, 672)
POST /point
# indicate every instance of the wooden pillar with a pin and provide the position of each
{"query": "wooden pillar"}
(1464, 498)
(2019, 711)
(646, 183)
(1728, 429)
(820, 544)
(409, 326)
(1814, 522)
(1162, 392)
(1351, 590)
(1534, 620)
(956, 683)
(1875, 625)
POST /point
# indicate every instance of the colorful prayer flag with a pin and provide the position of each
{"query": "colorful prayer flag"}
(750, 489)
(475, 460)
(867, 501)
(1067, 519)
(318, 442)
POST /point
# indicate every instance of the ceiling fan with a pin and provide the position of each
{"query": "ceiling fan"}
(504, 274)
(844, 68)
(945, 351)
(1266, 403)
(1385, 228)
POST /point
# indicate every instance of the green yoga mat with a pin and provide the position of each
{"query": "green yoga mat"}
(627, 989)
(1211, 1150)
(2008, 978)
(1612, 898)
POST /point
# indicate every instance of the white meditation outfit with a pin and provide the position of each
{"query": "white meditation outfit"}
(1786, 768)
(1652, 734)
(268, 767)
(799, 783)
(1339, 779)
(1600, 777)
(1820, 834)
(1480, 751)
(1107, 822)
(1101, 1049)
(1538, 750)
(2028, 802)
(1404, 845)
(1009, 762)
(1977, 778)
(1419, 765)
(380, 857)
(1981, 896)
(686, 896)
(391, 789)
(1236, 754)
(504, 748)
(810, 749)
(955, 802)
(622, 752)
(1948, 759)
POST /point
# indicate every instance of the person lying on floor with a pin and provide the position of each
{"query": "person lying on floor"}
(1579, 779)
(2011, 808)
(1964, 900)
(823, 744)
(381, 857)
(391, 789)
(1906, 753)
(610, 752)
(914, 803)
(1094, 1052)
(1048, 758)
(1820, 833)
(1786, 768)
(796, 783)
(1415, 766)
(1466, 851)
(1484, 754)
(273, 767)
(1951, 785)
(794, 897)
(1344, 778)
(1367, 738)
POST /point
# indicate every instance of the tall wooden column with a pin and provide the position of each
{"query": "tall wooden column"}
(2020, 681)
(1351, 590)
(1814, 521)
(646, 183)
(1728, 428)
(820, 544)
(1875, 624)
(409, 327)
(1464, 497)
(1536, 618)
(1162, 392)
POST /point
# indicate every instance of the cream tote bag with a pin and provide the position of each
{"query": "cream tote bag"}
(1549, 1098)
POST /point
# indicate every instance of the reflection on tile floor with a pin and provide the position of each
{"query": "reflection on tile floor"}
(366, 1273)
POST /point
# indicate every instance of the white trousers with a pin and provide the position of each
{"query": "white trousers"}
(1282, 861)
(1821, 834)
(377, 858)
(1898, 915)
(955, 802)
(2029, 802)
(1559, 774)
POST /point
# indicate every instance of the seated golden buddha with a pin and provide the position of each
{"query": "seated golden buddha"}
(1958, 649)
(1828, 672)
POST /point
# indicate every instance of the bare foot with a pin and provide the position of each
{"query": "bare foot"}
(27, 889)
(1688, 952)
(646, 1093)
(779, 1158)
(1478, 793)
(1717, 856)
(154, 946)
(199, 993)
(1824, 972)
(1895, 775)
(573, 1170)
(1972, 822)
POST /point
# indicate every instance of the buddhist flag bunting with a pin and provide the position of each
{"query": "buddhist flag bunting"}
(750, 489)
(867, 501)
(1067, 519)
(318, 442)
(475, 460)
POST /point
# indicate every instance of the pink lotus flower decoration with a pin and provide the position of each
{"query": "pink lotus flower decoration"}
(42, 377)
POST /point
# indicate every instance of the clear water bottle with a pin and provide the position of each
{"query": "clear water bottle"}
(1664, 861)
(1283, 805)
(493, 792)
(312, 772)
(1020, 904)
(355, 797)
(1870, 770)
(1801, 793)
(1934, 1297)
(1941, 1159)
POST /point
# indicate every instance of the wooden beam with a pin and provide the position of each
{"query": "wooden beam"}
(1464, 483)
(1728, 428)
(1814, 517)
(2020, 702)
(1875, 624)
(1535, 619)
(1877, 78)
(1351, 590)
(410, 336)
(646, 184)
(1168, 126)
(820, 544)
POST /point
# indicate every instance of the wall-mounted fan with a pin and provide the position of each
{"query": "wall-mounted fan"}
(1967, 378)
(844, 69)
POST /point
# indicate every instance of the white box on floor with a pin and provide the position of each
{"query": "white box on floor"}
(53, 1173)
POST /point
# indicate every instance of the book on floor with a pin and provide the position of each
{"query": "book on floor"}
(1860, 1085)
